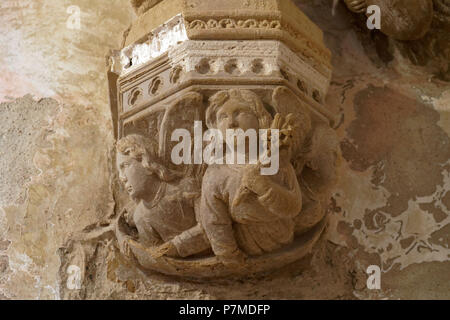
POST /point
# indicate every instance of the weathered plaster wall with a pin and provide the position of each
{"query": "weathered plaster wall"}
(391, 207)
(55, 134)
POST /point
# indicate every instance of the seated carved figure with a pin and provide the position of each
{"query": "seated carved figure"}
(236, 222)
(242, 212)
(165, 202)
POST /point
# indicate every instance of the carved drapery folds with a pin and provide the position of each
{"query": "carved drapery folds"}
(192, 74)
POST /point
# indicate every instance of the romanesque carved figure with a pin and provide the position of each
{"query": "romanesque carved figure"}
(433, 50)
(239, 218)
(421, 28)
(167, 196)
(400, 19)
(222, 218)
(165, 201)
(242, 212)
(315, 156)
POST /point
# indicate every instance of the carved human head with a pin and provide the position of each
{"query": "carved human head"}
(232, 109)
(140, 169)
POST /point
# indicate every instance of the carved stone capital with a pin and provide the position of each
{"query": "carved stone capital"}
(189, 66)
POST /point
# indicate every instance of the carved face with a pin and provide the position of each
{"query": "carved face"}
(236, 114)
(136, 179)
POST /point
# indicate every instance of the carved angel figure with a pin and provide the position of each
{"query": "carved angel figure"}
(262, 220)
(165, 201)
(315, 156)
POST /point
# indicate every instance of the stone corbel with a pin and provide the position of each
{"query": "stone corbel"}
(267, 58)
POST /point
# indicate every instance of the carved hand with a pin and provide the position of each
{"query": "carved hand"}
(251, 179)
(251, 183)
(286, 127)
(236, 260)
(167, 249)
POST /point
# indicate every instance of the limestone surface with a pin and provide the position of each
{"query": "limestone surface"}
(60, 184)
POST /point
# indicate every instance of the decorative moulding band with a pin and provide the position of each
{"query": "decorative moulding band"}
(178, 30)
(204, 62)
(258, 29)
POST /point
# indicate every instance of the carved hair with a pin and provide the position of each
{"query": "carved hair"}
(145, 151)
(248, 97)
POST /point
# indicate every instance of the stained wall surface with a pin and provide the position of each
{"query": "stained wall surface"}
(391, 207)
(56, 136)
